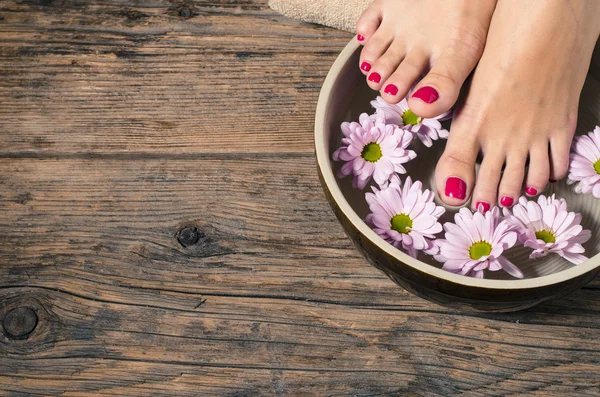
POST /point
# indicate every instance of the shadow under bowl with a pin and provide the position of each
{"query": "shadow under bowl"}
(344, 96)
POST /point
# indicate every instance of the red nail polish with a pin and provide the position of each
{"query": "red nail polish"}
(553, 181)
(360, 37)
(506, 201)
(485, 206)
(531, 191)
(375, 77)
(426, 94)
(366, 66)
(391, 89)
(456, 188)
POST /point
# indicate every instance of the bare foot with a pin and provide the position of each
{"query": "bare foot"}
(405, 39)
(522, 102)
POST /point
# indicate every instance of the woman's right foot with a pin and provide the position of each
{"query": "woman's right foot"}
(404, 40)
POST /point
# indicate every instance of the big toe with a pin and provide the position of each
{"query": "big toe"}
(455, 171)
(439, 89)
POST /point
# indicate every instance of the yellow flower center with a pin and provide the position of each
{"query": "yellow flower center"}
(371, 152)
(479, 249)
(409, 118)
(402, 223)
(597, 166)
(546, 235)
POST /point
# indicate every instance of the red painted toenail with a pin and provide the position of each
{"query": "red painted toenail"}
(456, 188)
(485, 206)
(553, 181)
(375, 77)
(531, 191)
(391, 89)
(426, 94)
(506, 201)
(360, 37)
(366, 66)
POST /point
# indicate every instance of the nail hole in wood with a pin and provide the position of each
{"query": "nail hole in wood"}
(20, 322)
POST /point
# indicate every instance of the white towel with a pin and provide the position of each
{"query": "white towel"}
(340, 14)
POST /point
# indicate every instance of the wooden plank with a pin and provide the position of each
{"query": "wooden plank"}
(124, 309)
(231, 77)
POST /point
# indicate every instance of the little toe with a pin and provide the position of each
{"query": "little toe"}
(538, 173)
(511, 184)
(373, 50)
(368, 22)
(404, 78)
(485, 191)
(455, 171)
(560, 147)
(439, 89)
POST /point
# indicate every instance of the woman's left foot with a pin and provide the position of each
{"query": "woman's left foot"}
(522, 103)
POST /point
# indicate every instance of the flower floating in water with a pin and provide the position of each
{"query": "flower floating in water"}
(426, 129)
(405, 216)
(475, 242)
(585, 163)
(546, 226)
(373, 149)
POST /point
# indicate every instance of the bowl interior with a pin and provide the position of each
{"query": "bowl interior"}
(350, 96)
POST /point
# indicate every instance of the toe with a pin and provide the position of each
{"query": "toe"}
(512, 178)
(368, 22)
(455, 171)
(485, 191)
(404, 77)
(538, 173)
(386, 65)
(373, 50)
(439, 89)
(560, 146)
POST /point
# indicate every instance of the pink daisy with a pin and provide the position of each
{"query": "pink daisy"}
(405, 216)
(475, 242)
(373, 149)
(546, 226)
(426, 129)
(585, 163)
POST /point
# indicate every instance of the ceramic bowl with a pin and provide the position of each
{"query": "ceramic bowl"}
(344, 97)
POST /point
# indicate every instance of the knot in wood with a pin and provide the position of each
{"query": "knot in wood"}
(20, 322)
(185, 12)
(189, 235)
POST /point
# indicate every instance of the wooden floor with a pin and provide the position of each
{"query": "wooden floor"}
(163, 231)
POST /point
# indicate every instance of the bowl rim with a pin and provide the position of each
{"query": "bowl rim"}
(322, 157)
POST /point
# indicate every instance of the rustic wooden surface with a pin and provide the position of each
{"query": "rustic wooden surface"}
(163, 231)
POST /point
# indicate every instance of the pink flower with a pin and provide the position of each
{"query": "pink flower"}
(585, 163)
(546, 226)
(426, 129)
(475, 242)
(405, 216)
(373, 149)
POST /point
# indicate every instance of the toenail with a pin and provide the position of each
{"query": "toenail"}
(485, 206)
(426, 94)
(506, 201)
(391, 89)
(375, 77)
(456, 188)
(553, 181)
(360, 37)
(366, 66)
(531, 191)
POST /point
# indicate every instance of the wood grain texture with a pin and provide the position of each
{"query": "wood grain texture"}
(124, 122)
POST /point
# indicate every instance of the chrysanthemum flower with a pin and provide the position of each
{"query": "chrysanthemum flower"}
(373, 149)
(546, 226)
(426, 129)
(475, 242)
(405, 216)
(585, 163)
